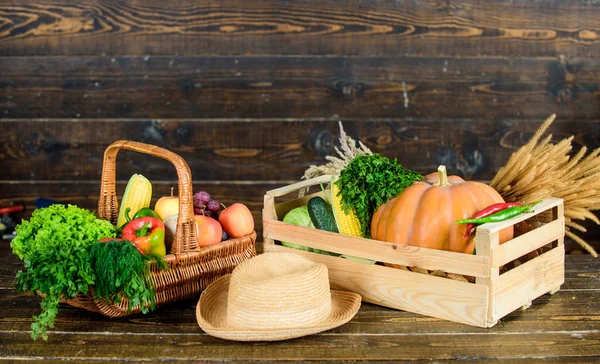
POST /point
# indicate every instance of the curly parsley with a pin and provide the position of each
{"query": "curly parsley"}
(54, 246)
(368, 182)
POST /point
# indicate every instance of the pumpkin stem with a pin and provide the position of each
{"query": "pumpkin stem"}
(442, 178)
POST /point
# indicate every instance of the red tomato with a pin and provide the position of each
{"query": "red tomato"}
(237, 220)
(208, 230)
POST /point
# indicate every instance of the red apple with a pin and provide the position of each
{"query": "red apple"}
(237, 220)
(208, 230)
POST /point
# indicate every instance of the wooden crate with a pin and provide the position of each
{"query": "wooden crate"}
(491, 295)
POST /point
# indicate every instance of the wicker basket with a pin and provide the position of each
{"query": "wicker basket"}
(191, 268)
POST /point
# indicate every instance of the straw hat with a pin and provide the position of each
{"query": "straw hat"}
(274, 296)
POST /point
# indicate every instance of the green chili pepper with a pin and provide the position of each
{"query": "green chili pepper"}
(499, 216)
(146, 211)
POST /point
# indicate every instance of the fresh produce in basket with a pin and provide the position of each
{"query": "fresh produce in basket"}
(424, 214)
(138, 193)
(167, 206)
(204, 204)
(147, 234)
(170, 223)
(237, 220)
(209, 230)
(67, 250)
(146, 211)
(122, 272)
(54, 246)
(216, 222)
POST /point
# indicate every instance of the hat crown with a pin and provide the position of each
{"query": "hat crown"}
(278, 290)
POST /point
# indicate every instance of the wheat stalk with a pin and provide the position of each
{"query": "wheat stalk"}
(540, 169)
(348, 151)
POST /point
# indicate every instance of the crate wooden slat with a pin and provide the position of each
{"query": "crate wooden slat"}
(443, 298)
(380, 251)
(516, 288)
(528, 242)
(488, 296)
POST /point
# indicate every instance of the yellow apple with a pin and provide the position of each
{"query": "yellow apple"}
(167, 206)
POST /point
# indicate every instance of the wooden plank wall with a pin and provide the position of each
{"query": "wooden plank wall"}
(250, 92)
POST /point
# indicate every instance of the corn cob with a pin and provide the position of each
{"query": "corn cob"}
(138, 194)
(348, 224)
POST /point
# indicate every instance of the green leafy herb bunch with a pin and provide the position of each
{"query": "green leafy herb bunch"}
(368, 182)
(54, 247)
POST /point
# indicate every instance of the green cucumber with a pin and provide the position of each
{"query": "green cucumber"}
(321, 214)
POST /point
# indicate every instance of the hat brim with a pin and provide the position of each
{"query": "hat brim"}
(211, 314)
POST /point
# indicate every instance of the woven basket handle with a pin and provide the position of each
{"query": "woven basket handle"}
(108, 206)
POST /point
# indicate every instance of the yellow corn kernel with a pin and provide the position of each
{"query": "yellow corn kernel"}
(348, 224)
(138, 194)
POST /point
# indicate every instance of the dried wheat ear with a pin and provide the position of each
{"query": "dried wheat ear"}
(541, 169)
(348, 151)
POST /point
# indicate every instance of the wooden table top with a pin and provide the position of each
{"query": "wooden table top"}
(562, 327)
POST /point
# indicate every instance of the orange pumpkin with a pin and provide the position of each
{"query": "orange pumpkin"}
(423, 215)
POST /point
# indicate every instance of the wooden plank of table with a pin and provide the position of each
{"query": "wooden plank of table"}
(328, 346)
(563, 326)
(565, 311)
(325, 27)
(571, 309)
(71, 150)
(299, 87)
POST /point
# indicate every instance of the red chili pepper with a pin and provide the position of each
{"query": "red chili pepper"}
(492, 209)
(500, 215)
(11, 209)
(147, 233)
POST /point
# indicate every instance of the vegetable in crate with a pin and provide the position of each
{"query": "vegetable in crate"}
(322, 218)
(368, 182)
(501, 215)
(298, 216)
(492, 209)
(346, 221)
(321, 215)
(54, 246)
(424, 214)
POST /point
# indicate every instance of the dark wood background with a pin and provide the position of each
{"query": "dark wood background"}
(250, 92)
